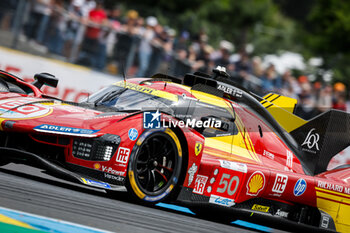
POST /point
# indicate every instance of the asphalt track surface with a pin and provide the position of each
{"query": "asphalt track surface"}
(30, 190)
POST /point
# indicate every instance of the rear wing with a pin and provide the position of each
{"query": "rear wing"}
(319, 139)
(322, 138)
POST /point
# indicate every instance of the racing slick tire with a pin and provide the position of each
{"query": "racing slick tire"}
(155, 166)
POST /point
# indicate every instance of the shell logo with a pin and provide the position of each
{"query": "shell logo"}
(97, 166)
(256, 183)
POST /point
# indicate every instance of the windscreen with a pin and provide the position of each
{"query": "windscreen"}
(122, 98)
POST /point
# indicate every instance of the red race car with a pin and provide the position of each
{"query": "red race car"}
(200, 140)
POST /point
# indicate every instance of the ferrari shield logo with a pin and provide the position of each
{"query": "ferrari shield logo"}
(198, 148)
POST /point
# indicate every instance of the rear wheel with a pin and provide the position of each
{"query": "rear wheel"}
(155, 166)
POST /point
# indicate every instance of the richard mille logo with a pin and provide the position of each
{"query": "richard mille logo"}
(311, 140)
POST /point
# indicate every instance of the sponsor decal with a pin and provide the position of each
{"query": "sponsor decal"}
(280, 183)
(325, 221)
(191, 173)
(123, 155)
(95, 183)
(112, 177)
(221, 201)
(147, 90)
(151, 120)
(112, 171)
(282, 213)
(200, 184)
(192, 123)
(269, 154)
(256, 183)
(198, 148)
(65, 130)
(22, 109)
(333, 187)
(289, 162)
(300, 187)
(261, 208)
(133, 133)
(311, 141)
(231, 91)
(240, 167)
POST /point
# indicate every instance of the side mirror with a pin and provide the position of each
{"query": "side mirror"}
(45, 79)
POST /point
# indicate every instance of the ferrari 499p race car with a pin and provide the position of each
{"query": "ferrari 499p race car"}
(199, 140)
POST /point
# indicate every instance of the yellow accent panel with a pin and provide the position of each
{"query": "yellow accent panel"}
(228, 157)
(339, 212)
(147, 90)
(224, 144)
(284, 102)
(328, 205)
(342, 228)
(239, 148)
(343, 216)
(15, 222)
(286, 119)
(220, 143)
(333, 197)
(282, 110)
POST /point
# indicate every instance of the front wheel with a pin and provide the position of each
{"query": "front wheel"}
(155, 166)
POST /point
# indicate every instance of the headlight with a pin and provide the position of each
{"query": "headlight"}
(97, 149)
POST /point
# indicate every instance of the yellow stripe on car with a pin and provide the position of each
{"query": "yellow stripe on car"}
(147, 90)
(209, 99)
(337, 205)
(246, 140)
